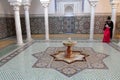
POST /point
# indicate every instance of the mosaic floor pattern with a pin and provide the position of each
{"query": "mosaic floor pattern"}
(33, 61)
(93, 61)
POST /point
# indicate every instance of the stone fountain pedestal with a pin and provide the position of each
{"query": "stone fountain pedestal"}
(69, 55)
(69, 45)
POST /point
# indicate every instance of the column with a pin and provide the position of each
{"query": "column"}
(27, 21)
(114, 5)
(45, 5)
(18, 24)
(92, 17)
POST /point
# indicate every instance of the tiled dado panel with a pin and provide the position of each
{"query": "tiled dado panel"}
(77, 24)
(37, 25)
(61, 24)
(99, 23)
(117, 30)
(7, 27)
(82, 24)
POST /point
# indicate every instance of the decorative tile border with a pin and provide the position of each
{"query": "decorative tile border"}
(14, 53)
(7, 27)
(82, 41)
(115, 46)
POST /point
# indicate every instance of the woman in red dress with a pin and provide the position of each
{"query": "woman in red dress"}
(106, 37)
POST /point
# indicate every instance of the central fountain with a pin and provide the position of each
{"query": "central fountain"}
(69, 44)
(69, 55)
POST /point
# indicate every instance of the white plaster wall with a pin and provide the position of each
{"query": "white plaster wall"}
(86, 7)
(103, 6)
(52, 7)
(118, 10)
(76, 7)
(36, 7)
(5, 7)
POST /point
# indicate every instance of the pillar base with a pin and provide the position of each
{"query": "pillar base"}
(47, 39)
(119, 44)
(91, 39)
(29, 40)
(20, 44)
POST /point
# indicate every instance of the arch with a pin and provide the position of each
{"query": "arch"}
(68, 10)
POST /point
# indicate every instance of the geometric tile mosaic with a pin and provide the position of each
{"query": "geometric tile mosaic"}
(57, 25)
(53, 71)
(93, 61)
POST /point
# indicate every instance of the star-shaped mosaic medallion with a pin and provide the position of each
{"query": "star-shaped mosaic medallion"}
(84, 58)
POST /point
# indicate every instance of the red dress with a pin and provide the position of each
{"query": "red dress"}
(106, 37)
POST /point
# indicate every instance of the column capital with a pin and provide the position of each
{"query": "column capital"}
(93, 2)
(15, 3)
(16, 8)
(26, 3)
(26, 7)
(45, 3)
(114, 3)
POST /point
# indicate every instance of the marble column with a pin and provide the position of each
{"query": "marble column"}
(114, 5)
(45, 5)
(92, 18)
(18, 24)
(27, 20)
